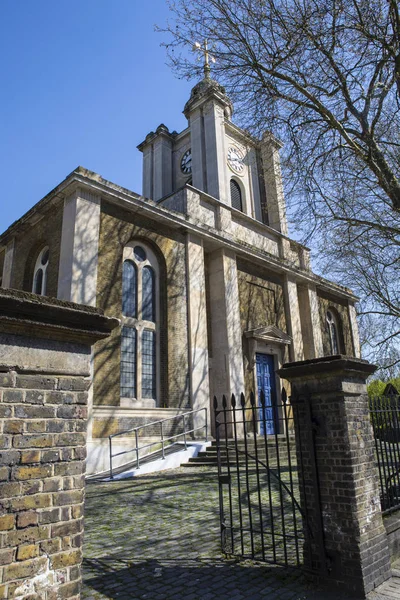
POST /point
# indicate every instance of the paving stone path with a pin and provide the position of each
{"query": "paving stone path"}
(156, 537)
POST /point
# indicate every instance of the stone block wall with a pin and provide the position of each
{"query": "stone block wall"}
(342, 310)
(45, 349)
(46, 232)
(117, 229)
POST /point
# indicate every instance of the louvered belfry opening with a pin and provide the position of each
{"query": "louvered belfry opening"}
(236, 196)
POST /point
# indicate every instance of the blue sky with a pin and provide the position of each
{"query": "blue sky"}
(82, 83)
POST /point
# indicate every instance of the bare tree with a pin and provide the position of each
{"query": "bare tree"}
(324, 76)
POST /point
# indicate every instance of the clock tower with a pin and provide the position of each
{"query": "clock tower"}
(216, 157)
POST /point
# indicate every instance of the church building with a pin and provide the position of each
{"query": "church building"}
(211, 293)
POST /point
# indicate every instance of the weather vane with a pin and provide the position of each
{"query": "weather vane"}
(197, 47)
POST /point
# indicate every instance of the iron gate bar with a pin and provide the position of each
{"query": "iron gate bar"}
(274, 475)
(280, 485)
(243, 405)
(252, 403)
(269, 472)
(396, 447)
(284, 400)
(233, 402)
(267, 527)
(381, 461)
(221, 499)
(394, 489)
(224, 405)
(385, 423)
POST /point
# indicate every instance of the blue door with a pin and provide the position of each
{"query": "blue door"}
(266, 382)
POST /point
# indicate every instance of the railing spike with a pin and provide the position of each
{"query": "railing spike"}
(233, 401)
(252, 399)
(215, 403)
(224, 403)
(242, 400)
(262, 398)
(284, 396)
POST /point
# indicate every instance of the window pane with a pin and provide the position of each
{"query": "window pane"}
(37, 282)
(139, 253)
(128, 362)
(129, 289)
(148, 294)
(148, 364)
(45, 257)
(334, 339)
(236, 195)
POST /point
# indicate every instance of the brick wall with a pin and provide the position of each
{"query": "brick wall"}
(338, 475)
(44, 380)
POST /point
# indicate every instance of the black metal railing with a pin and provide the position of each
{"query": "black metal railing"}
(385, 419)
(160, 438)
(260, 513)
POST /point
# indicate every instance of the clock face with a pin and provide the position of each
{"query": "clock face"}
(186, 162)
(235, 159)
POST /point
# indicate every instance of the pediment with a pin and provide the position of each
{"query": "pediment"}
(270, 333)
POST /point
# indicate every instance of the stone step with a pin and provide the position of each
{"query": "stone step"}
(209, 456)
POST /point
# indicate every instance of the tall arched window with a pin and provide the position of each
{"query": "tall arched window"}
(236, 195)
(40, 272)
(333, 331)
(139, 358)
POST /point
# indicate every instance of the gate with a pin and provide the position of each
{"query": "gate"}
(385, 420)
(259, 496)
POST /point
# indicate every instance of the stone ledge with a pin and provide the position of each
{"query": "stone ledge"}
(27, 314)
(326, 365)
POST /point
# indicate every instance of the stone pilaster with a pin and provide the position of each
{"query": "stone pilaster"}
(354, 331)
(226, 333)
(215, 155)
(197, 331)
(8, 265)
(77, 277)
(293, 318)
(45, 348)
(310, 322)
(199, 173)
(339, 488)
(270, 147)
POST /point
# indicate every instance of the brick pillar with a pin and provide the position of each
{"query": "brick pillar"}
(339, 489)
(45, 348)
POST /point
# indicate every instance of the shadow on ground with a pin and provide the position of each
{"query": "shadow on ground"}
(157, 537)
(194, 579)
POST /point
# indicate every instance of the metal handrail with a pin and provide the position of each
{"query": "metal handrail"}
(162, 438)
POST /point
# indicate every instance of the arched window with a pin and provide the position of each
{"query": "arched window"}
(236, 195)
(40, 272)
(140, 320)
(333, 331)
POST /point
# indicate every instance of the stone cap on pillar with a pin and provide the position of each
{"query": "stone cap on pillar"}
(23, 313)
(326, 366)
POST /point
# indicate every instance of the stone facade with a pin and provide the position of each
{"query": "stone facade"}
(326, 302)
(230, 284)
(44, 382)
(47, 232)
(339, 479)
